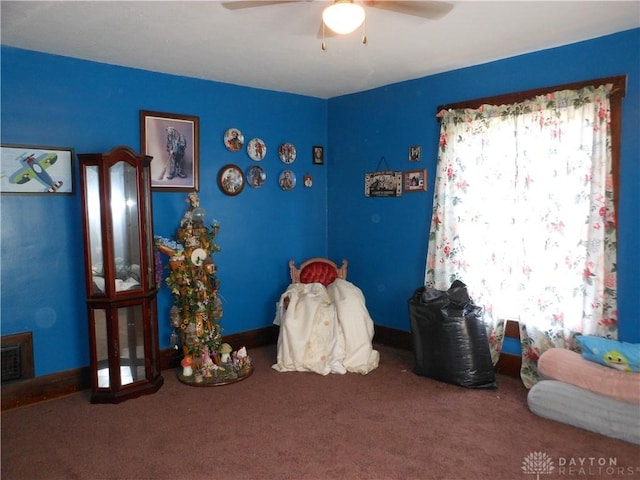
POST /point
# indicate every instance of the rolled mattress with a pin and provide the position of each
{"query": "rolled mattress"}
(582, 408)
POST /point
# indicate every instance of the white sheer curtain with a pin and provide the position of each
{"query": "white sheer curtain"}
(523, 214)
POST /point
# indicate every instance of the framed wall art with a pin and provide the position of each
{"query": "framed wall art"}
(415, 153)
(36, 170)
(231, 180)
(318, 155)
(173, 141)
(383, 184)
(415, 181)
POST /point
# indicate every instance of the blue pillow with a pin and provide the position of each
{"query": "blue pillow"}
(611, 353)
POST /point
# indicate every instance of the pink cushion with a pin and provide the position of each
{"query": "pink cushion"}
(570, 367)
(318, 273)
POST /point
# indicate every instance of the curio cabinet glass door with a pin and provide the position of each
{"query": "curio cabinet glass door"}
(120, 276)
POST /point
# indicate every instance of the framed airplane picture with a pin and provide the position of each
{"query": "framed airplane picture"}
(33, 170)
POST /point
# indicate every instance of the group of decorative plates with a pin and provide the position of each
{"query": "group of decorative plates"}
(231, 179)
(256, 148)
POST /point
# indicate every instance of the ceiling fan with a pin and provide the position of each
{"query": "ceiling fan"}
(342, 17)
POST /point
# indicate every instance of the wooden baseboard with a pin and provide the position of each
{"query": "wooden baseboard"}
(393, 337)
(508, 364)
(47, 387)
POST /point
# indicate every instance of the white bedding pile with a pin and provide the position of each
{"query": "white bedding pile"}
(325, 330)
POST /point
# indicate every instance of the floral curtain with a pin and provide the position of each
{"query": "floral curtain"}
(523, 214)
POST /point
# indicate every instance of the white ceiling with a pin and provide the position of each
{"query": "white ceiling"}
(277, 48)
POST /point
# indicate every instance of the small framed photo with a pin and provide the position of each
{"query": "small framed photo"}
(173, 142)
(36, 170)
(415, 152)
(318, 155)
(415, 181)
(308, 180)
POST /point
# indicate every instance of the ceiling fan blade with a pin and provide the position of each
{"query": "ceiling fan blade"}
(425, 9)
(237, 5)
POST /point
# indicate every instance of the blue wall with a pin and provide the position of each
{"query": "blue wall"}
(385, 239)
(56, 101)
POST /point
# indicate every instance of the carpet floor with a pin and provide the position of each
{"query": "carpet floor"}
(389, 424)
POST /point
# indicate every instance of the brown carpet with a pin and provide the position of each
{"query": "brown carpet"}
(390, 424)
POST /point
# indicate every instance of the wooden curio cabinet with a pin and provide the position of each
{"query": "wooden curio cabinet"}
(120, 274)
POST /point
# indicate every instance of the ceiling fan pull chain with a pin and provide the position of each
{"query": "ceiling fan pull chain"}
(364, 31)
(324, 44)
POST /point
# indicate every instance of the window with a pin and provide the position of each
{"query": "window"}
(524, 210)
(617, 94)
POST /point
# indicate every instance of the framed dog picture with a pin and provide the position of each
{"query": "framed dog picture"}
(173, 142)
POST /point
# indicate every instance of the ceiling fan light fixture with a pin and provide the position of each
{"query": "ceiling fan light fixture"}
(343, 16)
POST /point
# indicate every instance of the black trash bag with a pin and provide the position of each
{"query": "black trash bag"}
(449, 337)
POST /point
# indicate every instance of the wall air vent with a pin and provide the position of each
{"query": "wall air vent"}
(17, 357)
(11, 363)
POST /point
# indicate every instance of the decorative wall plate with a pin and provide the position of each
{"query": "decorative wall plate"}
(233, 139)
(231, 179)
(287, 153)
(256, 176)
(256, 149)
(287, 180)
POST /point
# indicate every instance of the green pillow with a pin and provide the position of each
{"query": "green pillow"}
(611, 353)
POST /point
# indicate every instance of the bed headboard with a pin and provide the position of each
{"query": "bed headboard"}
(317, 269)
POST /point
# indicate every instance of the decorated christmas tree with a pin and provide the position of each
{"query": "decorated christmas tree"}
(197, 309)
